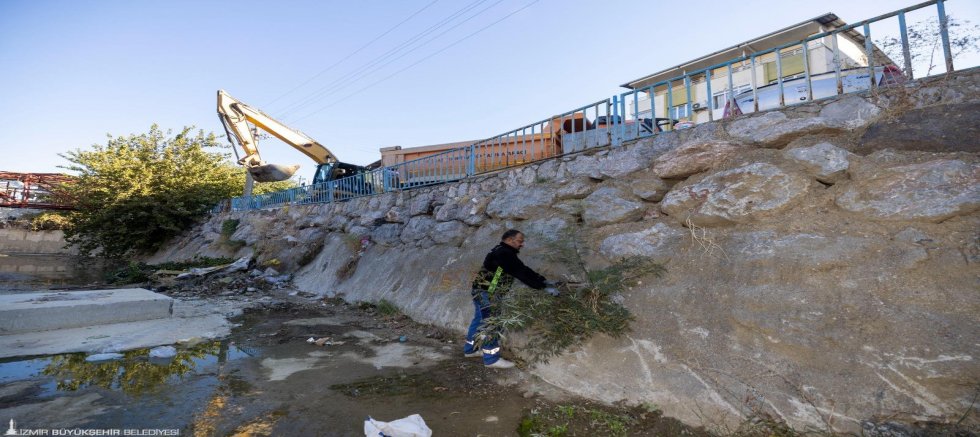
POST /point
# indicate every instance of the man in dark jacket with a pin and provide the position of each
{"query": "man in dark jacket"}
(492, 282)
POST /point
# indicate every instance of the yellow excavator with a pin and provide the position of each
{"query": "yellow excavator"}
(236, 116)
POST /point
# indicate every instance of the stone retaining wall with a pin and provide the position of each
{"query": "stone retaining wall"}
(822, 260)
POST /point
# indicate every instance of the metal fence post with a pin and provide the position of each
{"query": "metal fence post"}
(615, 139)
(905, 46)
(869, 52)
(688, 107)
(622, 120)
(944, 33)
(710, 101)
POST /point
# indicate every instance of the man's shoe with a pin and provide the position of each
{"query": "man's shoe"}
(475, 354)
(501, 364)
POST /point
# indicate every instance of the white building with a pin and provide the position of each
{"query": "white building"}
(820, 54)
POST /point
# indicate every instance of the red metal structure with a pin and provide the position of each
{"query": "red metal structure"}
(34, 190)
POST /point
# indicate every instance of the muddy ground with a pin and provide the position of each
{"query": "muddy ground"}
(267, 379)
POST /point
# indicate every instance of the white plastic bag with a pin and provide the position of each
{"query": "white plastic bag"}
(411, 426)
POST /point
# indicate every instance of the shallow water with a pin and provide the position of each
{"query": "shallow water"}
(26, 272)
(265, 380)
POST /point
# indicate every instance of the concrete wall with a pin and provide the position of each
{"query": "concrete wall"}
(15, 241)
(822, 260)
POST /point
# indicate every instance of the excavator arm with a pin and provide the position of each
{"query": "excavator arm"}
(235, 116)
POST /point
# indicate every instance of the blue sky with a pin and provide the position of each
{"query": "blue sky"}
(74, 71)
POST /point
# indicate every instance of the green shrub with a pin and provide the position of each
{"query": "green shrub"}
(136, 192)
(387, 309)
(560, 420)
(196, 262)
(132, 273)
(49, 221)
(228, 228)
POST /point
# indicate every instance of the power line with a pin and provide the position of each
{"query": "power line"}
(312, 98)
(416, 63)
(392, 28)
(346, 84)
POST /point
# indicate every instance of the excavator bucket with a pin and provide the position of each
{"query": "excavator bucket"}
(272, 172)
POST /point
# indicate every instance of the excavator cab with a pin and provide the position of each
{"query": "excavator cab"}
(333, 171)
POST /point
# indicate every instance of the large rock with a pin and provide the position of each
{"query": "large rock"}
(246, 231)
(396, 214)
(417, 228)
(490, 184)
(472, 212)
(420, 204)
(695, 157)
(550, 229)
(452, 233)
(826, 162)
(572, 207)
(941, 128)
(519, 204)
(387, 234)
(803, 249)
(358, 230)
(519, 177)
(337, 222)
(578, 188)
(931, 191)
(312, 235)
(850, 112)
(703, 133)
(739, 195)
(649, 189)
(584, 165)
(774, 129)
(371, 217)
(623, 161)
(447, 212)
(547, 170)
(381, 202)
(658, 242)
(610, 205)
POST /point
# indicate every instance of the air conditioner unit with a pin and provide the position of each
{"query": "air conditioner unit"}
(699, 105)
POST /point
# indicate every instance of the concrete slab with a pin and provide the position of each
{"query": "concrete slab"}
(197, 319)
(33, 312)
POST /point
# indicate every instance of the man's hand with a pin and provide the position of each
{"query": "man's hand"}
(552, 291)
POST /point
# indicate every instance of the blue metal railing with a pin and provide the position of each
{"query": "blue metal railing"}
(608, 122)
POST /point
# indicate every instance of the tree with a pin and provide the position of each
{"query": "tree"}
(136, 192)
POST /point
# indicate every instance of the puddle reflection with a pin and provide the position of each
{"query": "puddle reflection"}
(134, 374)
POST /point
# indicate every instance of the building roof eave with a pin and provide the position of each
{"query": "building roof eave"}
(825, 19)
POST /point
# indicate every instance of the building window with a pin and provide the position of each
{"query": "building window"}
(679, 111)
(718, 99)
(792, 65)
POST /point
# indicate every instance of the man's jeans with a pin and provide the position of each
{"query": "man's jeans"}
(483, 310)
